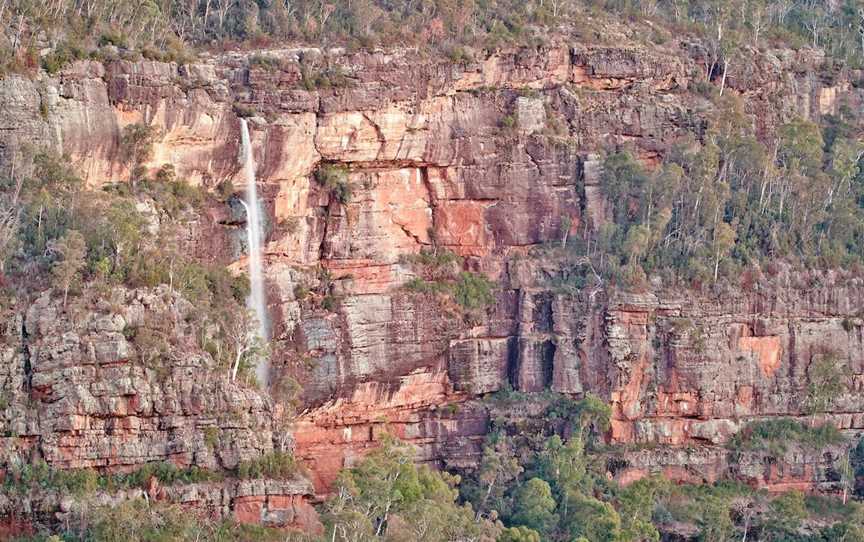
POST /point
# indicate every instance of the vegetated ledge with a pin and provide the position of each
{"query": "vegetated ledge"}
(270, 492)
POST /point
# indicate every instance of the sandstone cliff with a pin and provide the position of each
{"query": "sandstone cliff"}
(491, 159)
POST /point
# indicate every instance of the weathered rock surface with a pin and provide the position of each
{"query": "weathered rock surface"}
(272, 503)
(488, 159)
(118, 381)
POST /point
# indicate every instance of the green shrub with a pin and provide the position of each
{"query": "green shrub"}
(435, 265)
(334, 178)
(705, 89)
(65, 53)
(225, 189)
(328, 303)
(275, 464)
(301, 292)
(434, 259)
(172, 195)
(174, 50)
(211, 437)
(141, 520)
(458, 54)
(265, 62)
(473, 291)
(40, 475)
(323, 79)
(166, 473)
(426, 287)
(775, 435)
(827, 379)
(86, 481)
(115, 38)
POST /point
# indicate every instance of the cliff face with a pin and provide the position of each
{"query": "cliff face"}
(464, 157)
(116, 380)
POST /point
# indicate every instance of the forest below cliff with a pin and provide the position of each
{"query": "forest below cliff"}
(734, 202)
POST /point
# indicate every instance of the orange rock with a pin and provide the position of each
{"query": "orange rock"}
(768, 352)
(629, 475)
(282, 502)
(336, 434)
(621, 431)
(744, 400)
(249, 509)
(460, 225)
(363, 276)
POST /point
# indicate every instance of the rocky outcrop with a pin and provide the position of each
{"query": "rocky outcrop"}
(681, 373)
(121, 381)
(271, 503)
(116, 380)
(689, 371)
(492, 159)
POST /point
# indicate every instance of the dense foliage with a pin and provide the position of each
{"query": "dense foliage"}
(140, 520)
(25, 477)
(731, 202)
(387, 497)
(531, 487)
(162, 29)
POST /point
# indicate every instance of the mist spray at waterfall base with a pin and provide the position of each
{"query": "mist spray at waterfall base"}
(255, 239)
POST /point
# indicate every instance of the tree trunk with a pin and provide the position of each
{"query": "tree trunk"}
(485, 498)
(236, 366)
(206, 15)
(18, 33)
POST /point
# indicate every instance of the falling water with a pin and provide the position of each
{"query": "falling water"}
(255, 237)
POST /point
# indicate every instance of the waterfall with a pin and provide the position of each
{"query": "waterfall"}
(255, 238)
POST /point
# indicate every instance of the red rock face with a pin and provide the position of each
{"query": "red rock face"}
(290, 511)
(339, 433)
(466, 158)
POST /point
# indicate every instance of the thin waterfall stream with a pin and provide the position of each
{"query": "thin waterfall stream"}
(255, 239)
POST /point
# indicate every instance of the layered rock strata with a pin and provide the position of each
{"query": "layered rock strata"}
(116, 380)
(490, 159)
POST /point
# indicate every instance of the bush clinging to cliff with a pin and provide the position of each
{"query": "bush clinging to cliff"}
(473, 291)
(272, 465)
(775, 435)
(334, 177)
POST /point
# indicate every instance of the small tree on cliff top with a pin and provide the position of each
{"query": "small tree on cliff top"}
(247, 349)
